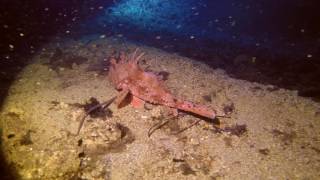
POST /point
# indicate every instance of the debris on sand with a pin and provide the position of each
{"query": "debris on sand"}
(64, 60)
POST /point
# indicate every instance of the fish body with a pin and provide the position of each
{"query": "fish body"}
(130, 79)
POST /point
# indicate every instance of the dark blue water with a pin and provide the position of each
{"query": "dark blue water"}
(279, 40)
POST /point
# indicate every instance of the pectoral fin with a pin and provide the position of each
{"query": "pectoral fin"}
(123, 99)
(137, 102)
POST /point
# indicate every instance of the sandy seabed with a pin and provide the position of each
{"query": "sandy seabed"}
(40, 116)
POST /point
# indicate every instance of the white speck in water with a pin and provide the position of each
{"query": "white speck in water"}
(38, 83)
(158, 37)
(302, 30)
(67, 31)
(21, 34)
(192, 37)
(11, 46)
(102, 36)
(100, 7)
(253, 59)
(5, 26)
(46, 9)
(309, 56)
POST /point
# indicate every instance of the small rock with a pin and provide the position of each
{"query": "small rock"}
(228, 108)
(207, 98)
(156, 113)
(194, 141)
(264, 151)
(63, 105)
(148, 106)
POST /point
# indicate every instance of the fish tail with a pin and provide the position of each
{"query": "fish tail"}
(196, 109)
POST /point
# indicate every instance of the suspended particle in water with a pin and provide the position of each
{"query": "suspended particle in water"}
(253, 59)
(233, 23)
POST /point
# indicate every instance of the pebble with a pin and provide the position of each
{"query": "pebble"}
(63, 105)
(148, 106)
(194, 141)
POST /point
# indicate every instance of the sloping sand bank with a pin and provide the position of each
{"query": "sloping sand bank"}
(272, 132)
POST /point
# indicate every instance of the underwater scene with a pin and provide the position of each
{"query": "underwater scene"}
(159, 89)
